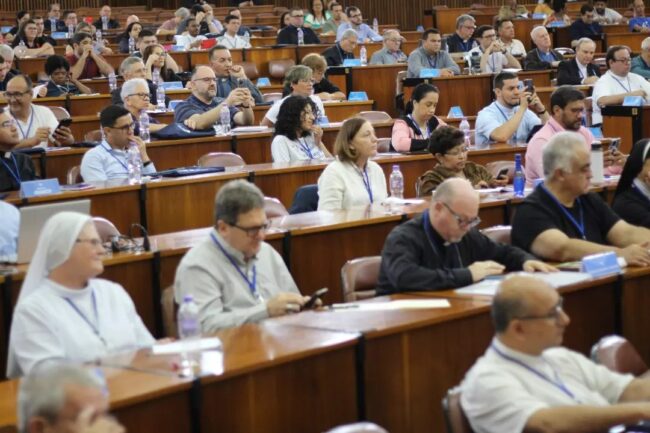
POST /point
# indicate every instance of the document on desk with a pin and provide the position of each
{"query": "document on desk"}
(488, 286)
(401, 304)
(181, 346)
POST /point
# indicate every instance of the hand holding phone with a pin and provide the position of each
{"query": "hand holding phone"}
(318, 294)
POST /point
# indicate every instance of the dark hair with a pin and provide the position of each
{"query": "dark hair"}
(427, 32)
(68, 12)
(501, 77)
(311, 7)
(144, 33)
(611, 51)
(196, 9)
(282, 24)
(20, 36)
(351, 9)
(216, 48)
(564, 95)
(20, 15)
(505, 309)
(502, 21)
(335, 4)
(165, 72)
(110, 114)
(420, 91)
(295, 8)
(127, 33)
(290, 116)
(445, 138)
(78, 38)
(558, 5)
(586, 8)
(482, 29)
(230, 18)
(633, 165)
(56, 62)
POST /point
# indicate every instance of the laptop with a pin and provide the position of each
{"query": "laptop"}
(32, 220)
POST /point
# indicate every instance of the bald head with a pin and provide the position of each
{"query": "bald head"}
(513, 299)
(454, 209)
(454, 189)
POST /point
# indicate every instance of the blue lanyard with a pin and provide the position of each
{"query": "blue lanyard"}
(434, 65)
(94, 327)
(578, 225)
(31, 121)
(465, 45)
(110, 152)
(501, 111)
(305, 148)
(557, 382)
(417, 127)
(366, 180)
(628, 83)
(16, 174)
(251, 284)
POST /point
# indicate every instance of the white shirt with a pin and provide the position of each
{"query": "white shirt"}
(515, 47)
(342, 186)
(302, 149)
(609, 84)
(41, 116)
(103, 163)
(500, 395)
(45, 327)
(187, 40)
(610, 16)
(233, 42)
(273, 112)
(10, 217)
(495, 63)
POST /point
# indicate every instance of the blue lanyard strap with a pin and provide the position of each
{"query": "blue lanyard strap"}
(502, 113)
(580, 226)
(366, 180)
(93, 326)
(627, 89)
(29, 127)
(251, 284)
(557, 382)
(417, 127)
(435, 60)
(14, 174)
(110, 152)
(305, 148)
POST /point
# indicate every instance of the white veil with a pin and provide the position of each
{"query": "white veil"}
(55, 243)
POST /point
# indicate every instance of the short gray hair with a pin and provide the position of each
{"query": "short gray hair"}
(43, 391)
(182, 13)
(559, 152)
(583, 41)
(645, 44)
(235, 198)
(348, 34)
(6, 52)
(462, 18)
(297, 73)
(128, 88)
(128, 62)
(535, 30)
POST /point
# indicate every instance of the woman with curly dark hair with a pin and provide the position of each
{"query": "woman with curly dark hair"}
(297, 137)
(155, 57)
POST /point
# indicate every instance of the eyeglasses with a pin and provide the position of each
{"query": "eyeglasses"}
(16, 95)
(125, 127)
(95, 242)
(469, 27)
(626, 60)
(463, 149)
(206, 80)
(462, 222)
(142, 95)
(297, 16)
(8, 123)
(253, 231)
(162, 54)
(490, 36)
(354, 16)
(554, 314)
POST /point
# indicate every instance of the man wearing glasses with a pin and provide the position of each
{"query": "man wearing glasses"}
(526, 381)
(289, 34)
(135, 97)
(442, 249)
(203, 108)
(15, 167)
(617, 83)
(130, 68)
(494, 55)
(391, 53)
(233, 275)
(108, 160)
(562, 221)
(365, 33)
(461, 41)
(36, 123)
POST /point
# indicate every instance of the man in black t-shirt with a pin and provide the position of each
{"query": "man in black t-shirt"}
(561, 220)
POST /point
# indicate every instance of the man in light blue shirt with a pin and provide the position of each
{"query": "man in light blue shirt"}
(108, 160)
(510, 118)
(431, 56)
(10, 218)
(365, 32)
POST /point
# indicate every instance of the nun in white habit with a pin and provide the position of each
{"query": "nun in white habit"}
(63, 312)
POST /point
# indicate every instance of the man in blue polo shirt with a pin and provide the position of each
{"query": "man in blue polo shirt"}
(203, 108)
(640, 23)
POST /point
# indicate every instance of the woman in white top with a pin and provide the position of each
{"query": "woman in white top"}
(63, 312)
(297, 137)
(352, 180)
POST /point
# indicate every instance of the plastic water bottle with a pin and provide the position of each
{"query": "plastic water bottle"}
(99, 42)
(519, 181)
(131, 45)
(363, 55)
(112, 81)
(301, 36)
(160, 97)
(189, 328)
(144, 126)
(464, 126)
(396, 183)
(375, 25)
(224, 119)
(247, 39)
(70, 31)
(134, 164)
(155, 76)
(21, 50)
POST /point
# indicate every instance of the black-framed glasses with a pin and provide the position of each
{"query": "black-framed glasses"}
(463, 149)
(354, 16)
(95, 242)
(8, 123)
(297, 16)
(141, 95)
(17, 94)
(206, 80)
(554, 314)
(627, 60)
(463, 222)
(125, 127)
(253, 231)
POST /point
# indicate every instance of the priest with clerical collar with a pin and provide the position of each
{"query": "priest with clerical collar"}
(15, 167)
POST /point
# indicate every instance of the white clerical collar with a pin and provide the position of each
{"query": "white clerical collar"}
(642, 187)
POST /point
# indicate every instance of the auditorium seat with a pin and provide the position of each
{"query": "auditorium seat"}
(359, 278)
(250, 69)
(278, 68)
(305, 199)
(94, 136)
(169, 309)
(59, 112)
(618, 354)
(274, 208)
(496, 166)
(74, 175)
(221, 159)
(375, 116)
(105, 229)
(358, 427)
(455, 418)
(499, 234)
(383, 145)
(271, 97)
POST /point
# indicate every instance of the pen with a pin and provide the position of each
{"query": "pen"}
(344, 306)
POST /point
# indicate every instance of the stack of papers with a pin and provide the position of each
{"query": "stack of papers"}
(182, 346)
(402, 304)
(488, 287)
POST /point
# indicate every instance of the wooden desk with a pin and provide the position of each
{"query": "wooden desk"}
(632, 40)
(630, 123)
(470, 92)
(335, 111)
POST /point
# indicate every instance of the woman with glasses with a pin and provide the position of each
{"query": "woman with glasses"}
(64, 312)
(352, 180)
(155, 57)
(297, 136)
(61, 82)
(411, 132)
(136, 99)
(447, 145)
(34, 46)
(391, 53)
(132, 31)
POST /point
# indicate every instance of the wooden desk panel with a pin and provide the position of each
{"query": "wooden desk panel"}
(632, 40)
(335, 111)
(629, 123)
(200, 57)
(634, 307)
(379, 82)
(540, 78)
(470, 92)
(523, 29)
(261, 57)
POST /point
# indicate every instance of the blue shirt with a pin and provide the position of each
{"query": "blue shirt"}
(194, 105)
(639, 66)
(103, 163)
(639, 21)
(364, 31)
(10, 218)
(495, 115)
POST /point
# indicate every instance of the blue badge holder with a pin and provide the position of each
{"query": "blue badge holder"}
(263, 81)
(59, 35)
(420, 28)
(173, 103)
(351, 62)
(429, 73)
(172, 85)
(455, 112)
(322, 121)
(599, 265)
(539, 16)
(358, 96)
(35, 188)
(556, 24)
(5, 29)
(596, 132)
(633, 101)
(178, 47)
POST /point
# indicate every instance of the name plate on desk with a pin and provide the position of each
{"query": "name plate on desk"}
(596, 132)
(429, 73)
(59, 35)
(599, 265)
(358, 96)
(539, 16)
(351, 62)
(34, 188)
(172, 85)
(633, 101)
(177, 48)
(263, 81)
(556, 24)
(456, 112)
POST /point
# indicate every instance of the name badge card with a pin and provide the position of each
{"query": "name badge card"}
(358, 96)
(599, 265)
(455, 112)
(429, 73)
(263, 81)
(351, 62)
(633, 101)
(172, 85)
(35, 188)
